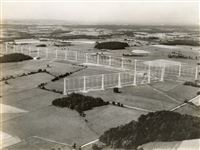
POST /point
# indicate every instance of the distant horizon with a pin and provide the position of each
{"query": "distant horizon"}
(106, 13)
(68, 23)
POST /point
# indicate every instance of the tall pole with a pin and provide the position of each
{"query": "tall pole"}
(97, 58)
(65, 90)
(6, 47)
(56, 54)
(135, 72)
(84, 83)
(38, 52)
(119, 80)
(86, 58)
(102, 82)
(196, 73)
(149, 73)
(76, 55)
(110, 61)
(122, 63)
(65, 55)
(162, 73)
(179, 70)
(29, 50)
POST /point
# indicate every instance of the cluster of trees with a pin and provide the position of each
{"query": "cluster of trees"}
(24, 74)
(79, 102)
(181, 42)
(61, 76)
(83, 36)
(117, 104)
(42, 86)
(63, 44)
(41, 45)
(67, 74)
(155, 126)
(67, 37)
(58, 32)
(113, 45)
(179, 55)
(196, 83)
(14, 57)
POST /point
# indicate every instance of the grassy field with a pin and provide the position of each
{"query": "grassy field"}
(64, 125)
(166, 86)
(53, 123)
(22, 67)
(103, 118)
(187, 92)
(189, 109)
(25, 83)
(141, 96)
(55, 67)
(35, 143)
(58, 85)
(61, 67)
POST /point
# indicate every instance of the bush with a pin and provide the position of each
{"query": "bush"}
(113, 103)
(79, 102)
(61, 76)
(118, 104)
(194, 84)
(15, 57)
(181, 42)
(41, 45)
(113, 45)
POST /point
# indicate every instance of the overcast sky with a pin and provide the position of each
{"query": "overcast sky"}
(181, 13)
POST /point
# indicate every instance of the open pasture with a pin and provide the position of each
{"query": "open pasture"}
(103, 118)
(63, 125)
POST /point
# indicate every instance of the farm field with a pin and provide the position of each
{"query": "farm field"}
(56, 68)
(189, 110)
(24, 83)
(58, 85)
(142, 97)
(57, 124)
(106, 117)
(33, 142)
(28, 112)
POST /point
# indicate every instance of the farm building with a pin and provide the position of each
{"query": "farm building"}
(140, 52)
(26, 41)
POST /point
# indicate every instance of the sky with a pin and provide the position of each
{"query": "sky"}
(155, 12)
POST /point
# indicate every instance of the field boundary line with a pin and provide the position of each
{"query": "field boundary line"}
(53, 141)
(136, 108)
(94, 141)
(185, 103)
(166, 95)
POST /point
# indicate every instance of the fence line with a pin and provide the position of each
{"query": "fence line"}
(76, 56)
(135, 72)
(122, 79)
